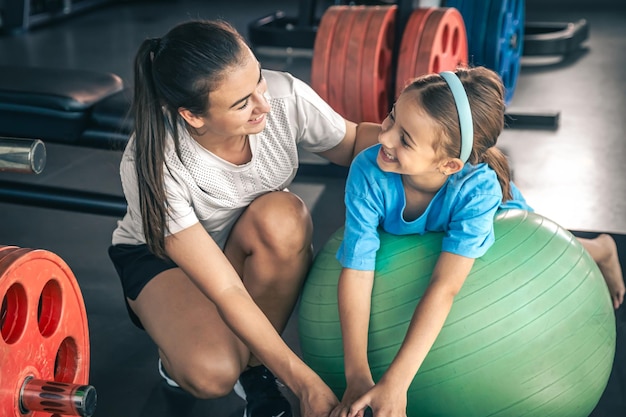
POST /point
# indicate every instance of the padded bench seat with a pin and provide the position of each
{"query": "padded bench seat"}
(110, 123)
(51, 104)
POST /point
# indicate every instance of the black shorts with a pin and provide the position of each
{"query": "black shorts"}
(136, 266)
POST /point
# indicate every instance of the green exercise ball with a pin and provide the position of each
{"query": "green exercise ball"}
(531, 333)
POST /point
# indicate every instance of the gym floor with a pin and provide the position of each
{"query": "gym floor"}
(572, 174)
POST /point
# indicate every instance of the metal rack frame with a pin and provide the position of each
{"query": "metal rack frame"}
(19, 16)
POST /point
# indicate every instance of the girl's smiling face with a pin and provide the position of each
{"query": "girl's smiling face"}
(408, 139)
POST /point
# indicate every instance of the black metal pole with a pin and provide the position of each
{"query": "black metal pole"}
(62, 198)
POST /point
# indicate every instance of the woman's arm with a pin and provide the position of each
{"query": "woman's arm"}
(195, 252)
(388, 397)
(357, 138)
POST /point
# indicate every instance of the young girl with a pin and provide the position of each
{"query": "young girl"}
(213, 250)
(436, 169)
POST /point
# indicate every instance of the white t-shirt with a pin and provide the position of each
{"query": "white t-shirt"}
(203, 187)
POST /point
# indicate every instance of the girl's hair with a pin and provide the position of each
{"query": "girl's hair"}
(485, 93)
(176, 71)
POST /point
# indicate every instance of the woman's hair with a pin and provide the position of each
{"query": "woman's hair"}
(176, 71)
(485, 93)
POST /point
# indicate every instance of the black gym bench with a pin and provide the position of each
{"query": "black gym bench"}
(70, 107)
(74, 107)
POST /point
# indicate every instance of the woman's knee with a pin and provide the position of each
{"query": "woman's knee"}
(280, 221)
(209, 378)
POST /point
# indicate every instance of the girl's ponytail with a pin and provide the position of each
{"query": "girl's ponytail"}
(500, 164)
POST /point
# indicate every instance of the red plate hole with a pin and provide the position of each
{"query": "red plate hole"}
(13, 313)
(49, 309)
(66, 362)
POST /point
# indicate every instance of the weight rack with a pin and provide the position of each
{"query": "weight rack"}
(278, 30)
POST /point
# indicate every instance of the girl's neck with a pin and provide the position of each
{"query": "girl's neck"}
(427, 184)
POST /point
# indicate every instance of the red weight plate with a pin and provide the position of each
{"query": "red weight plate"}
(338, 61)
(376, 70)
(320, 63)
(443, 45)
(4, 250)
(407, 55)
(44, 332)
(352, 89)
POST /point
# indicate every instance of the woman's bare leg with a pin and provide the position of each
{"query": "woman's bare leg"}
(198, 350)
(270, 248)
(603, 250)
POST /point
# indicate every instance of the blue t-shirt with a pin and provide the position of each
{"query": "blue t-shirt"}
(464, 208)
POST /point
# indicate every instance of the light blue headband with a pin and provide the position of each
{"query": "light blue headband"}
(464, 111)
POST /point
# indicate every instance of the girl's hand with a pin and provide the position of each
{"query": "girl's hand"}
(384, 400)
(318, 401)
(354, 390)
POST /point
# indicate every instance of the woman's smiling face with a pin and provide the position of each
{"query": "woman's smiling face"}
(238, 107)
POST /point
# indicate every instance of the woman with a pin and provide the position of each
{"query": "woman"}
(213, 250)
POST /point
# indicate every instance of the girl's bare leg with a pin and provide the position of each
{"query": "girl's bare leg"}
(603, 250)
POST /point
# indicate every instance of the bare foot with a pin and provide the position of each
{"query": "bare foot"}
(605, 255)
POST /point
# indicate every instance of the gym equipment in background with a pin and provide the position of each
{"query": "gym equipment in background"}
(44, 348)
(44, 344)
(497, 33)
(353, 56)
(19, 16)
(27, 156)
(434, 40)
(352, 61)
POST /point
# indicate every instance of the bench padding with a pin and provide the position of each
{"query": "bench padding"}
(50, 103)
(110, 123)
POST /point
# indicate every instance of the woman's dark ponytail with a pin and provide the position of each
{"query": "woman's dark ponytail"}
(177, 71)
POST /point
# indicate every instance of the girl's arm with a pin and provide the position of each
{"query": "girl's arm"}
(195, 252)
(357, 138)
(354, 299)
(388, 397)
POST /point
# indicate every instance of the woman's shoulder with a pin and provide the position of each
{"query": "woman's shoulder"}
(280, 83)
(283, 85)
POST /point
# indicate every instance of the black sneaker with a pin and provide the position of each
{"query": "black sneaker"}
(262, 394)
